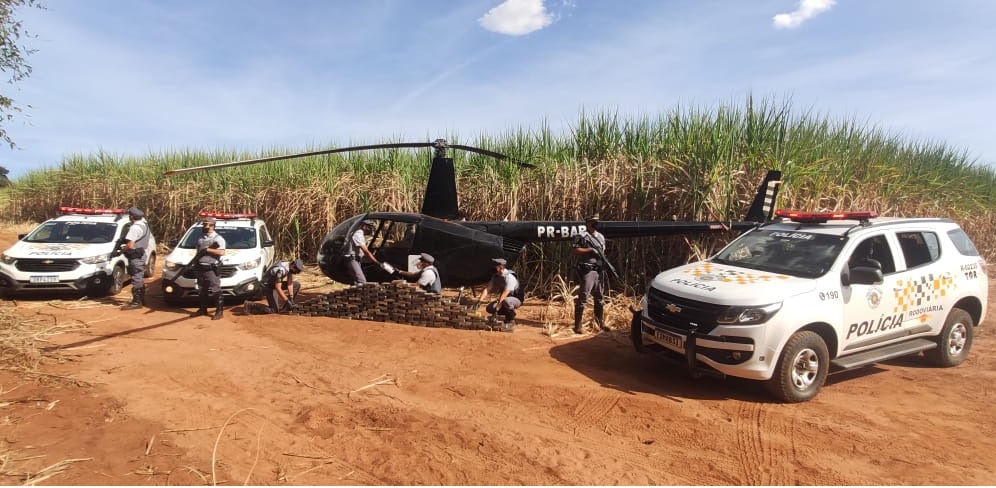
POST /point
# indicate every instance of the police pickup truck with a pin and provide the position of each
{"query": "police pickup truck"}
(249, 251)
(77, 251)
(794, 298)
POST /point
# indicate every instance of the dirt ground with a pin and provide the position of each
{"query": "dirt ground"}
(154, 397)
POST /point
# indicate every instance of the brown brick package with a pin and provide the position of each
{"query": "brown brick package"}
(397, 301)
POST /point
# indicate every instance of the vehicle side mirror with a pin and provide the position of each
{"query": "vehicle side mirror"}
(21, 237)
(172, 243)
(268, 243)
(865, 276)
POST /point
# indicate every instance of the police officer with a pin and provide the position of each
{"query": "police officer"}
(210, 249)
(358, 245)
(279, 286)
(589, 248)
(427, 276)
(505, 284)
(136, 242)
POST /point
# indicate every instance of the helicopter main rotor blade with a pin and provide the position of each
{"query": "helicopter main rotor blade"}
(392, 145)
(498, 156)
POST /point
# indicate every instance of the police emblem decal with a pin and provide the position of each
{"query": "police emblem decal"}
(874, 297)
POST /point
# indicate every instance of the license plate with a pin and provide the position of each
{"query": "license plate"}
(44, 279)
(665, 338)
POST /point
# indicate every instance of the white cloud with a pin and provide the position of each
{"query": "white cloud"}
(517, 17)
(807, 10)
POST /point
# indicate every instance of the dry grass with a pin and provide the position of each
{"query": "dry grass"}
(22, 343)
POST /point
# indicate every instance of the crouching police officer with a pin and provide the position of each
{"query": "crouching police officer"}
(136, 242)
(427, 276)
(279, 287)
(505, 284)
(210, 249)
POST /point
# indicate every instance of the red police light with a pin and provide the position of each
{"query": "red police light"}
(227, 215)
(91, 211)
(821, 217)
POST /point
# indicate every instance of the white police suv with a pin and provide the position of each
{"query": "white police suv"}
(249, 251)
(78, 251)
(795, 298)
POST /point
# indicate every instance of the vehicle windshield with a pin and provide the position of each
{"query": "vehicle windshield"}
(62, 232)
(235, 237)
(793, 253)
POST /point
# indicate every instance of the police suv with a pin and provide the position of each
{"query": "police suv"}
(78, 251)
(795, 298)
(249, 251)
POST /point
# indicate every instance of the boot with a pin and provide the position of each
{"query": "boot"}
(137, 299)
(600, 316)
(202, 295)
(221, 306)
(578, 314)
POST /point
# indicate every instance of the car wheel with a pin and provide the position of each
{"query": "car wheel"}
(150, 266)
(802, 368)
(955, 340)
(117, 281)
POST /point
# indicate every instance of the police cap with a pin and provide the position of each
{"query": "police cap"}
(368, 222)
(208, 220)
(297, 266)
(136, 213)
(499, 261)
(427, 258)
(592, 218)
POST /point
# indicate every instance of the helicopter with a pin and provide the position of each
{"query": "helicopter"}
(467, 247)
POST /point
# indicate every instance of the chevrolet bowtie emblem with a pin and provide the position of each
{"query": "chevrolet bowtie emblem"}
(672, 308)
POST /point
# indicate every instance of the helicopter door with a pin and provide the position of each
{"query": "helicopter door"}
(463, 255)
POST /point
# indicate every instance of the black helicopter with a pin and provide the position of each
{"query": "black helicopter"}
(465, 248)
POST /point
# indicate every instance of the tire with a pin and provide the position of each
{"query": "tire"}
(150, 266)
(117, 281)
(802, 368)
(954, 341)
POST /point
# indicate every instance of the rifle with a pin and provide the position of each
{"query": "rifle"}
(587, 242)
(200, 253)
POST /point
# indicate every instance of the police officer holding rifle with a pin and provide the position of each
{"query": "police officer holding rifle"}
(589, 247)
(210, 249)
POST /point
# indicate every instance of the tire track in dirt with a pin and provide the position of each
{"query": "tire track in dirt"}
(766, 445)
(588, 426)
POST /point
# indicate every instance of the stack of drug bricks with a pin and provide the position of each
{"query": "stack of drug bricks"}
(397, 301)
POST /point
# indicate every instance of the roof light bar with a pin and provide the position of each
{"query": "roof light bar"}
(91, 211)
(818, 218)
(226, 215)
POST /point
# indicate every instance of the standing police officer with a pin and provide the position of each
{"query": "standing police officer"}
(590, 250)
(358, 245)
(136, 242)
(210, 249)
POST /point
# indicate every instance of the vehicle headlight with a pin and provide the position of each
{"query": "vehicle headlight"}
(171, 266)
(748, 315)
(7, 259)
(251, 264)
(100, 258)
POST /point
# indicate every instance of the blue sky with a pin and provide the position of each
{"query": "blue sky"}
(133, 77)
